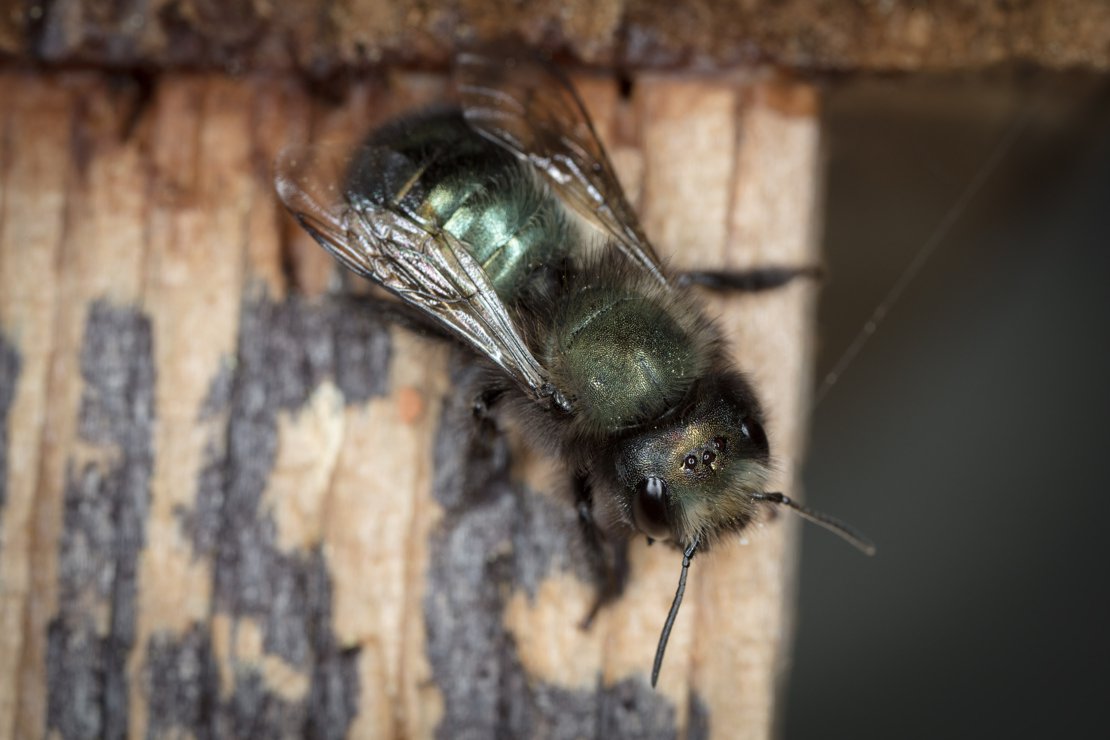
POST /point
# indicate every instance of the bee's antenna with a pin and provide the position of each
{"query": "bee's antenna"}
(666, 635)
(837, 527)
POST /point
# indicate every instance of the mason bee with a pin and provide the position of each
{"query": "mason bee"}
(483, 220)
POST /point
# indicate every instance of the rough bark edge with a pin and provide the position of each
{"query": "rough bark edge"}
(329, 37)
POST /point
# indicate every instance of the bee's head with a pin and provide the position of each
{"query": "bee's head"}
(692, 474)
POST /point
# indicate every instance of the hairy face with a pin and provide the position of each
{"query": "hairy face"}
(693, 474)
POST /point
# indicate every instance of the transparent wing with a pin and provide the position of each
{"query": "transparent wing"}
(424, 266)
(531, 109)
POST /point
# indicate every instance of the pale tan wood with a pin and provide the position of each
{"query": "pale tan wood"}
(201, 143)
(732, 182)
(33, 173)
(745, 601)
(375, 523)
(174, 224)
(99, 256)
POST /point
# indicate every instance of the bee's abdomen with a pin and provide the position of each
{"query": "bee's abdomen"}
(512, 227)
(622, 356)
(436, 167)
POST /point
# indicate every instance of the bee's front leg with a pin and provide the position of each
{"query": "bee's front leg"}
(749, 281)
(486, 429)
(484, 402)
(608, 561)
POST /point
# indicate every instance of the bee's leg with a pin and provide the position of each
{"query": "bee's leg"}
(485, 401)
(485, 429)
(608, 561)
(748, 281)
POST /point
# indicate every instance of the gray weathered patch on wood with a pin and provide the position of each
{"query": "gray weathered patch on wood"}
(631, 708)
(218, 398)
(362, 349)
(103, 533)
(9, 376)
(498, 535)
(697, 726)
(285, 350)
(182, 675)
(184, 684)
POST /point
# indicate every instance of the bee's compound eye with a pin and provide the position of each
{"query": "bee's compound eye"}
(753, 430)
(649, 508)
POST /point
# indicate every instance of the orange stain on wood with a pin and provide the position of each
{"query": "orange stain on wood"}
(410, 404)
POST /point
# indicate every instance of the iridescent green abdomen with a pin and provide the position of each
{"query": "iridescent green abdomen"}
(436, 167)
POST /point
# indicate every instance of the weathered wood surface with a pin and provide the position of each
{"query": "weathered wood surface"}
(320, 37)
(234, 503)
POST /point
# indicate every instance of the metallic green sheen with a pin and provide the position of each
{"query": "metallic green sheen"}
(622, 356)
(441, 170)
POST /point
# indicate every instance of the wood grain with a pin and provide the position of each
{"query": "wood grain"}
(326, 38)
(235, 503)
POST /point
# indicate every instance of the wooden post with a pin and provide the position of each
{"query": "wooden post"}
(234, 503)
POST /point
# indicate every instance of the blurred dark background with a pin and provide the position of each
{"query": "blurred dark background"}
(970, 437)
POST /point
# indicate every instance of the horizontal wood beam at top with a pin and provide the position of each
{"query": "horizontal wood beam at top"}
(324, 37)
